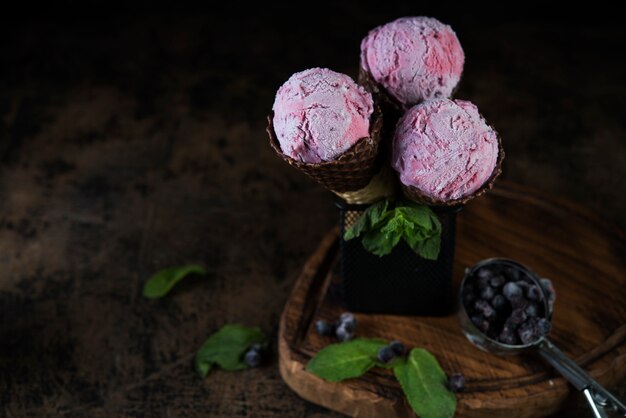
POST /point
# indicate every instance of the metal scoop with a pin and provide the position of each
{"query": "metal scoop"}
(597, 396)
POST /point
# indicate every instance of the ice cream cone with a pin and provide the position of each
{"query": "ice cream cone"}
(351, 171)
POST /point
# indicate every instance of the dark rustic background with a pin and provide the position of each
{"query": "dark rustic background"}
(129, 144)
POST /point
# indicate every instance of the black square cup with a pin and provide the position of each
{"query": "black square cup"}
(402, 282)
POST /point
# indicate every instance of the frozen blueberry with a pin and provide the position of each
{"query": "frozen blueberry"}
(512, 291)
(484, 273)
(547, 286)
(385, 354)
(529, 332)
(485, 309)
(499, 302)
(544, 326)
(324, 328)
(520, 303)
(397, 347)
(343, 332)
(253, 358)
(480, 323)
(456, 383)
(518, 316)
(532, 310)
(497, 281)
(507, 336)
(533, 293)
(487, 293)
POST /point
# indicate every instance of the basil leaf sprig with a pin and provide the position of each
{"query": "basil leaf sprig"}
(384, 223)
(163, 281)
(423, 381)
(227, 347)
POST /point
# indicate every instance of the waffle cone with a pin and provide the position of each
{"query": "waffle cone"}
(416, 195)
(351, 171)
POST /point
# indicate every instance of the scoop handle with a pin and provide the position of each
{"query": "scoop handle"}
(578, 377)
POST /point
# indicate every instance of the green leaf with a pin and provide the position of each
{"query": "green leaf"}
(425, 385)
(163, 281)
(379, 243)
(370, 217)
(346, 360)
(226, 348)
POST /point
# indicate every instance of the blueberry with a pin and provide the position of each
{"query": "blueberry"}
(549, 289)
(532, 310)
(497, 281)
(324, 328)
(485, 309)
(533, 293)
(484, 273)
(343, 333)
(499, 302)
(507, 336)
(385, 354)
(518, 316)
(397, 347)
(529, 332)
(520, 303)
(487, 293)
(257, 347)
(347, 319)
(523, 284)
(253, 358)
(480, 323)
(456, 383)
(544, 326)
(512, 291)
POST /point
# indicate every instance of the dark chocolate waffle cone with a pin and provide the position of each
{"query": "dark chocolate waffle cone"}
(352, 170)
(416, 195)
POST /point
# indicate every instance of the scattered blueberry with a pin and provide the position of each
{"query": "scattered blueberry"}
(343, 332)
(456, 383)
(499, 302)
(348, 320)
(512, 291)
(487, 293)
(257, 347)
(324, 328)
(397, 347)
(385, 354)
(253, 358)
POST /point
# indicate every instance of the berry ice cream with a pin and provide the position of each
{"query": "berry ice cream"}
(414, 59)
(319, 114)
(445, 149)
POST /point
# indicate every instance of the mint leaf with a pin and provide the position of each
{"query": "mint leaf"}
(370, 217)
(163, 281)
(346, 360)
(226, 348)
(424, 385)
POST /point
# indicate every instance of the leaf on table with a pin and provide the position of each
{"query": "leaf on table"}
(345, 360)
(163, 281)
(226, 348)
(425, 385)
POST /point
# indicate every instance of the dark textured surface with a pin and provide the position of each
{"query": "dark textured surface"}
(129, 145)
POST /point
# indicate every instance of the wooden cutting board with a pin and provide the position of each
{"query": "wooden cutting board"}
(584, 256)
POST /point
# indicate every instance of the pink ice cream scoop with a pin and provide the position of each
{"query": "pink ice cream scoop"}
(414, 59)
(319, 114)
(444, 148)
